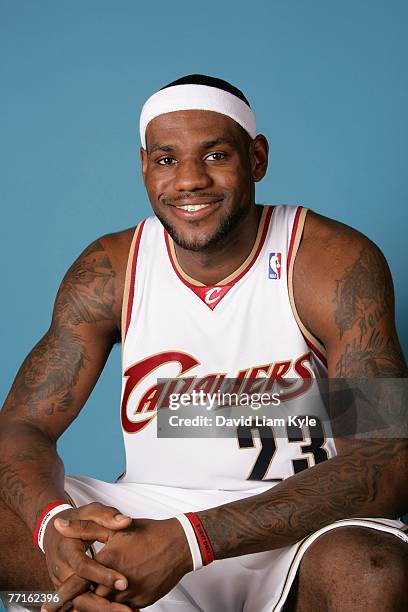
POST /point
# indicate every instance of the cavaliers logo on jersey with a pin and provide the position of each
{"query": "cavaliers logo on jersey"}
(139, 402)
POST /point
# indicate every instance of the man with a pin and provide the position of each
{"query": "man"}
(227, 289)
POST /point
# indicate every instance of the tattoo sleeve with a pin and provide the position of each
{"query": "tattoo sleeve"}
(367, 478)
(348, 485)
(53, 383)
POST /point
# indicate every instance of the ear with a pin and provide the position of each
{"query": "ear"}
(258, 152)
(143, 158)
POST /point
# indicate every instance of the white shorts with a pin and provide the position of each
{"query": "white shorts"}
(250, 583)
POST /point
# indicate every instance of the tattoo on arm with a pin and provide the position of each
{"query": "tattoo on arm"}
(363, 294)
(377, 355)
(13, 486)
(364, 298)
(52, 369)
(343, 487)
(49, 373)
(35, 460)
(48, 383)
(87, 294)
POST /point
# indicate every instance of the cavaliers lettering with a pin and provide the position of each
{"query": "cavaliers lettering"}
(138, 413)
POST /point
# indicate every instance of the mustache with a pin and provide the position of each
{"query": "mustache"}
(207, 196)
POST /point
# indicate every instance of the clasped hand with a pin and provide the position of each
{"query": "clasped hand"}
(142, 560)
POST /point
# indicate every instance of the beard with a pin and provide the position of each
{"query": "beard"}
(217, 239)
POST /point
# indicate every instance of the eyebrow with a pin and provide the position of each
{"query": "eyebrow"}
(159, 147)
(208, 144)
(217, 141)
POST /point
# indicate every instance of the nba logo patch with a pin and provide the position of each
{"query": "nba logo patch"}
(274, 266)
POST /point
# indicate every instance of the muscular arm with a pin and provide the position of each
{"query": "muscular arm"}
(354, 319)
(57, 377)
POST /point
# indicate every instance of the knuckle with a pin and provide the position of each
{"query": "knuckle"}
(110, 578)
(68, 512)
(93, 506)
(108, 558)
(55, 581)
(82, 566)
(76, 558)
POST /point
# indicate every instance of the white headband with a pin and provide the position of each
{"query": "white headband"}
(196, 97)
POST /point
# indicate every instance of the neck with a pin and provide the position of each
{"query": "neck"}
(212, 266)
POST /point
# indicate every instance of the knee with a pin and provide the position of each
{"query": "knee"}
(357, 557)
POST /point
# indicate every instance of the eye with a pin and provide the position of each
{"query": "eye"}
(216, 156)
(166, 161)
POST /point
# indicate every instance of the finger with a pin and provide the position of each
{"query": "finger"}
(94, 571)
(114, 596)
(103, 591)
(83, 530)
(61, 599)
(107, 516)
(90, 602)
(76, 585)
(60, 572)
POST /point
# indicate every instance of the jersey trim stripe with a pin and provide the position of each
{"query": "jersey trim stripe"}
(256, 249)
(305, 543)
(129, 290)
(297, 231)
(233, 278)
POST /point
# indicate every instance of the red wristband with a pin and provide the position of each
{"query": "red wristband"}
(203, 540)
(42, 516)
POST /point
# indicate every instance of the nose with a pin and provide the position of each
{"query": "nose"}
(192, 174)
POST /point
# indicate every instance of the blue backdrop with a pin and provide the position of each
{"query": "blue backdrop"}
(328, 83)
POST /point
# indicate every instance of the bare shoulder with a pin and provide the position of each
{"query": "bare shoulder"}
(92, 289)
(332, 259)
(343, 288)
(117, 247)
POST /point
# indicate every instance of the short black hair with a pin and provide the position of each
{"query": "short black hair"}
(203, 79)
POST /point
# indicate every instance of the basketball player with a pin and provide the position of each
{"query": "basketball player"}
(213, 285)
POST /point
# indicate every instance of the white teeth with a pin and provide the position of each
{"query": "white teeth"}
(193, 207)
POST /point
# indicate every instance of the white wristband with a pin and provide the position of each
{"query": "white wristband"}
(46, 520)
(192, 541)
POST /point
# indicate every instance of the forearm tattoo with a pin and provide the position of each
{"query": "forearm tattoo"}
(12, 484)
(346, 486)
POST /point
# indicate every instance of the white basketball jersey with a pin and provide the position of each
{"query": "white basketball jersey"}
(244, 327)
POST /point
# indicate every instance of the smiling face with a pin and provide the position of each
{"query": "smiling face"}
(199, 171)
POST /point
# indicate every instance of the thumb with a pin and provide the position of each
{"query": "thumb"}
(106, 516)
(83, 530)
